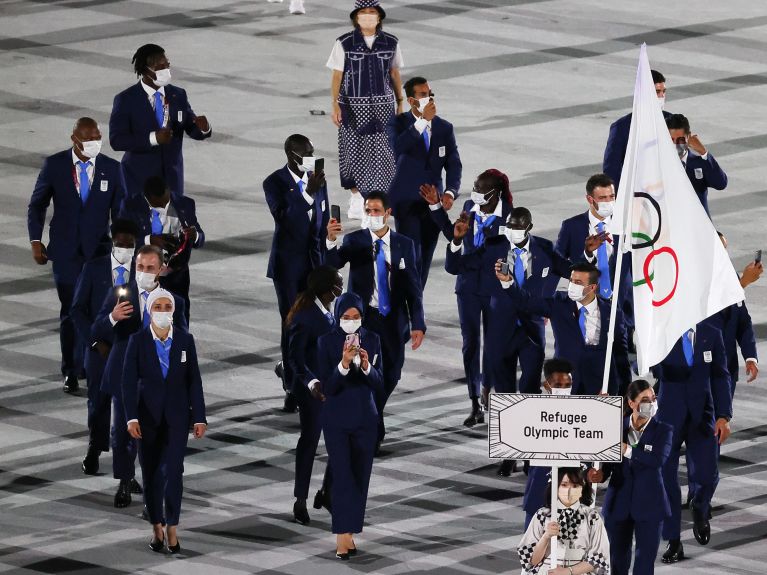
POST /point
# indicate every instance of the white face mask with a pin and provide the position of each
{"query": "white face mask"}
(648, 410)
(163, 77)
(575, 292)
(560, 390)
(605, 209)
(422, 103)
(162, 319)
(373, 223)
(367, 20)
(307, 163)
(146, 281)
(122, 255)
(662, 102)
(516, 236)
(478, 198)
(570, 495)
(350, 325)
(91, 148)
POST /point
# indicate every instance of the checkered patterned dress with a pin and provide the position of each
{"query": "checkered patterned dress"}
(582, 538)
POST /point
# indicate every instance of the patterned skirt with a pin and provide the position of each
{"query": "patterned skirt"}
(365, 159)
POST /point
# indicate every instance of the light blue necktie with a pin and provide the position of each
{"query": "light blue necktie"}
(163, 354)
(331, 319)
(687, 346)
(519, 267)
(382, 279)
(156, 223)
(85, 183)
(159, 109)
(300, 187)
(426, 138)
(144, 296)
(582, 313)
(120, 279)
(480, 226)
(603, 265)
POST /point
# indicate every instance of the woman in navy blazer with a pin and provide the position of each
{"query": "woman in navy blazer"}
(351, 378)
(162, 390)
(636, 502)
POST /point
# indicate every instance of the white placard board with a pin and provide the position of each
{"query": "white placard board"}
(555, 430)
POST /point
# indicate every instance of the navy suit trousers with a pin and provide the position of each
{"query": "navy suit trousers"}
(123, 445)
(646, 536)
(65, 274)
(415, 221)
(161, 453)
(472, 310)
(309, 414)
(287, 292)
(507, 349)
(99, 403)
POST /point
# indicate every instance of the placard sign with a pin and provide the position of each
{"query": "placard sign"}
(555, 430)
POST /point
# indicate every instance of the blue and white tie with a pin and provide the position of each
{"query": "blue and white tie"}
(144, 296)
(687, 346)
(159, 109)
(582, 313)
(120, 277)
(156, 223)
(519, 267)
(426, 139)
(382, 279)
(163, 354)
(603, 265)
(85, 183)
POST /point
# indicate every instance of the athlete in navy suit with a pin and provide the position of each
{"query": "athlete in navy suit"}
(297, 197)
(695, 400)
(162, 396)
(148, 123)
(383, 273)
(308, 319)
(636, 502)
(618, 138)
(424, 145)
(122, 314)
(98, 277)
(351, 381)
(167, 220)
(86, 188)
(702, 169)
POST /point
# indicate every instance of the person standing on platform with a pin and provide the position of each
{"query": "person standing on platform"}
(383, 273)
(636, 502)
(297, 196)
(349, 359)
(148, 123)
(86, 188)
(167, 220)
(307, 320)
(98, 277)
(162, 396)
(366, 92)
(424, 146)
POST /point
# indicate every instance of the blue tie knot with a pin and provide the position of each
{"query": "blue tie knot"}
(600, 227)
(120, 278)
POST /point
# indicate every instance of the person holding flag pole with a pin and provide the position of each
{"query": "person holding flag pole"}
(682, 276)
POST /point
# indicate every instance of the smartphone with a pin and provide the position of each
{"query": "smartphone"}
(319, 164)
(504, 268)
(122, 295)
(353, 340)
(758, 257)
(335, 212)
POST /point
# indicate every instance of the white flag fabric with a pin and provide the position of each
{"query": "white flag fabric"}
(681, 271)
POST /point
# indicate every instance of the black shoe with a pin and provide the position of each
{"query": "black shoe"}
(322, 499)
(279, 371)
(290, 405)
(174, 549)
(476, 416)
(378, 452)
(157, 545)
(300, 514)
(71, 385)
(342, 556)
(135, 487)
(507, 467)
(701, 527)
(90, 464)
(352, 552)
(122, 497)
(674, 551)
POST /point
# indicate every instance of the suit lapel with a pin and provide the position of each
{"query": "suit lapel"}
(174, 360)
(151, 355)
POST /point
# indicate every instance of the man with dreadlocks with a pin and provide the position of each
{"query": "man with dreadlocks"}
(148, 123)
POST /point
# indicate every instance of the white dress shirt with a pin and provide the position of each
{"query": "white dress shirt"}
(525, 255)
(115, 265)
(307, 198)
(634, 436)
(593, 321)
(150, 92)
(171, 224)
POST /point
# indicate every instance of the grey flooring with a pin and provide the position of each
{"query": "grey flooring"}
(531, 86)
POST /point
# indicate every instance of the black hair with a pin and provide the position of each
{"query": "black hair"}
(382, 196)
(657, 77)
(576, 475)
(678, 122)
(556, 365)
(590, 269)
(122, 226)
(155, 187)
(521, 214)
(295, 139)
(500, 182)
(412, 83)
(320, 281)
(598, 181)
(632, 391)
(143, 55)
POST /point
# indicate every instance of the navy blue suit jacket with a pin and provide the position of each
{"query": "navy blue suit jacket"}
(137, 209)
(416, 165)
(303, 333)
(587, 360)
(298, 244)
(92, 287)
(350, 399)
(737, 331)
(636, 484)
(76, 230)
(154, 399)
(704, 386)
(130, 124)
(441, 218)
(705, 174)
(404, 284)
(615, 150)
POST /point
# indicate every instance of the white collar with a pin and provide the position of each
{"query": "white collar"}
(575, 506)
(428, 122)
(296, 179)
(631, 424)
(162, 210)
(590, 307)
(498, 210)
(151, 91)
(323, 309)
(76, 159)
(116, 264)
(154, 335)
(386, 237)
(594, 221)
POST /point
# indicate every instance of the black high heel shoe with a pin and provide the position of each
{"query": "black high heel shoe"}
(174, 549)
(156, 545)
(342, 556)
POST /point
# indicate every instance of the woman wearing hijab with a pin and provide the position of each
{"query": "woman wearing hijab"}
(350, 372)
(162, 394)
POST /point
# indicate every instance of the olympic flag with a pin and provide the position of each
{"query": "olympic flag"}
(681, 271)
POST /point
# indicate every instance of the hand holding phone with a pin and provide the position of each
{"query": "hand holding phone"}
(335, 212)
(758, 257)
(504, 268)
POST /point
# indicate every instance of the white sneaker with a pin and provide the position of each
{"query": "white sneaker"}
(297, 7)
(356, 207)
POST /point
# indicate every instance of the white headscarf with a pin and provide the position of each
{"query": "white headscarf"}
(159, 293)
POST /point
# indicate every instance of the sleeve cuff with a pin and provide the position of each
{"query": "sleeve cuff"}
(131, 421)
(367, 371)
(153, 139)
(202, 423)
(451, 192)
(455, 248)
(420, 125)
(342, 370)
(506, 285)
(147, 239)
(112, 320)
(754, 360)
(435, 207)
(312, 383)
(589, 259)
(331, 244)
(704, 156)
(41, 241)
(628, 453)
(209, 130)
